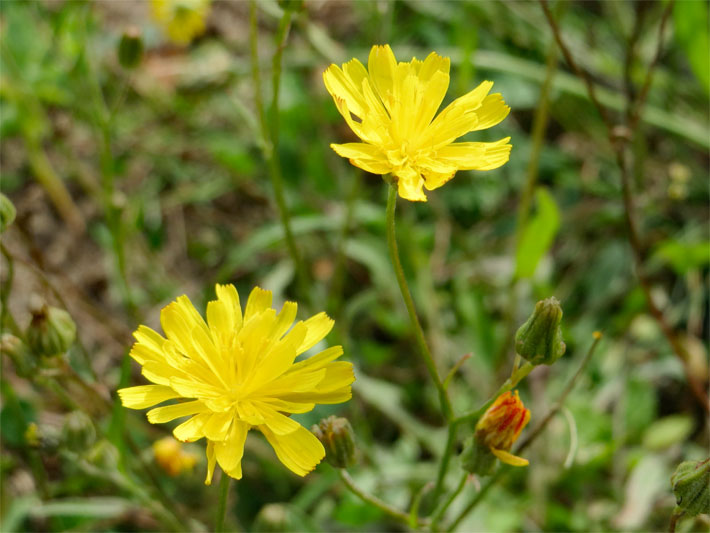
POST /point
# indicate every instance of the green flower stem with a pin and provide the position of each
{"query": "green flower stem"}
(436, 517)
(222, 507)
(533, 434)
(270, 130)
(409, 303)
(374, 500)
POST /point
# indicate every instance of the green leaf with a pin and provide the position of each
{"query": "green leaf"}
(690, 20)
(538, 235)
(682, 256)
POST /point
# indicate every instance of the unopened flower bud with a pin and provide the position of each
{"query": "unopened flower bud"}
(539, 340)
(171, 456)
(130, 48)
(19, 352)
(691, 486)
(336, 435)
(51, 331)
(7, 212)
(78, 432)
(496, 431)
(274, 518)
(104, 455)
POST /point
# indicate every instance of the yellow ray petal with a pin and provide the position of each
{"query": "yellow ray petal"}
(409, 185)
(346, 84)
(217, 425)
(365, 156)
(229, 295)
(492, 111)
(381, 65)
(284, 319)
(211, 462)
(279, 404)
(191, 429)
(318, 327)
(259, 301)
(509, 458)
(319, 360)
(144, 396)
(299, 451)
(171, 412)
(229, 452)
(276, 422)
(476, 155)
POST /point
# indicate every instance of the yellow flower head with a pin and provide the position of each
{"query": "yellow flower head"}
(182, 20)
(391, 107)
(500, 427)
(238, 371)
(171, 457)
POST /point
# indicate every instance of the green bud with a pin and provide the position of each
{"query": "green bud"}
(275, 518)
(19, 352)
(130, 48)
(7, 212)
(51, 331)
(336, 435)
(104, 455)
(539, 340)
(78, 431)
(691, 486)
(476, 458)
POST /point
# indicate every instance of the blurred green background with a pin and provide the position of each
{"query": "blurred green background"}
(135, 186)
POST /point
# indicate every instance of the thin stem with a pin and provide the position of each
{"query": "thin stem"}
(409, 303)
(677, 515)
(374, 500)
(270, 130)
(222, 506)
(478, 497)
(441, 510)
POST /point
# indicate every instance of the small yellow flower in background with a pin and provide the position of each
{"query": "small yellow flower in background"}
(391, 108)
(181, 20)
(237, 371)
(171, 457)
(500, 427)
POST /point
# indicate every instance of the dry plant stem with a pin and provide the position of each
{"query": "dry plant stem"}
(374, 500)
(270, 130)
(619, 147)
(224, 483)
(409, 303)
(677, 515)
(535, 433)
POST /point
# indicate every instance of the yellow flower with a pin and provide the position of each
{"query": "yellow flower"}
(171, 457)
(391, 107)
(182, 20)
(237, 371)
(500, 427)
